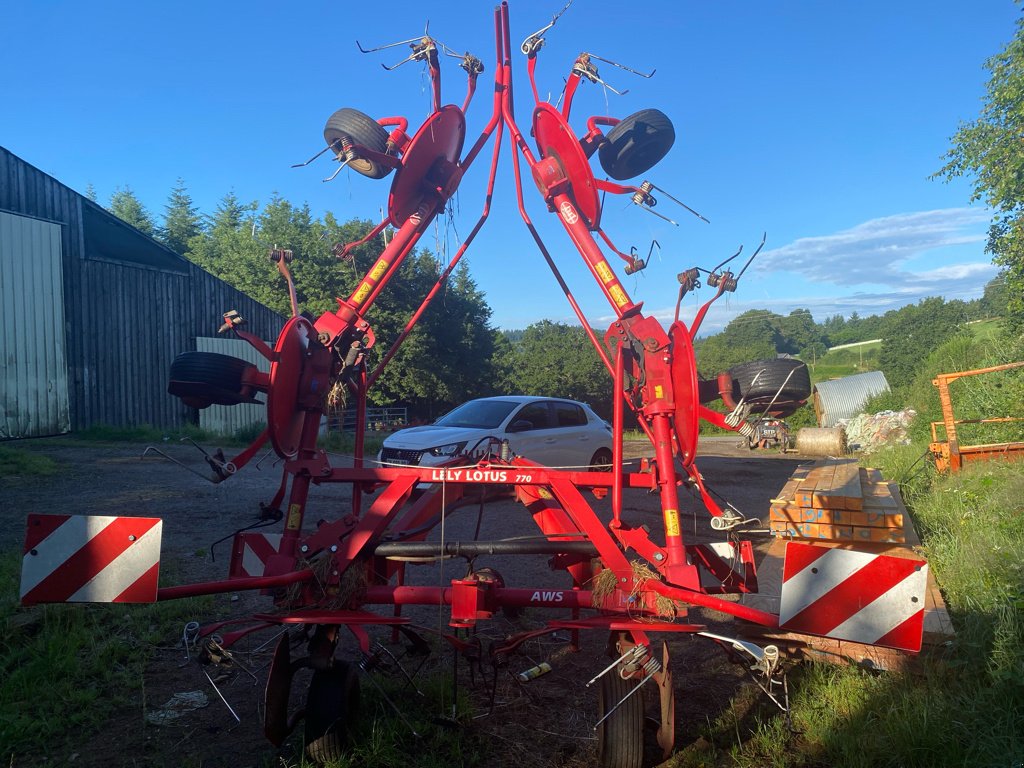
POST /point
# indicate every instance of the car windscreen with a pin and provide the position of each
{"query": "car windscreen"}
(481, 414)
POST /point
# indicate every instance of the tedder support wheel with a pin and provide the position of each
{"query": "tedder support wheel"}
(332, 705)
(361, 129)
(636, 144)
(620, 738)
(771, 376)
(202, 379)
(601, 461)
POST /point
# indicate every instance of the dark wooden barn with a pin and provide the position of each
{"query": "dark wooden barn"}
(94, 311)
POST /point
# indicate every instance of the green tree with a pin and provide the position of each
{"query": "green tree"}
(127, 207)
(798, 332)
(90, 192)
(989, 151)
(557, 360)
(182, 221)
(914, 331)
(754, 335)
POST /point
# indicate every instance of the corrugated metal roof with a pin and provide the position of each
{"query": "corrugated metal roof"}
(844, 398)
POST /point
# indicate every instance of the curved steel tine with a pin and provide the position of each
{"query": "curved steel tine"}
(764, 237)
(622, 66)
(715, 270)
(334, 175)
(390, 45)
(314, 157)
(536, 40)
(154, 449)
(680, 202)
(660, 216)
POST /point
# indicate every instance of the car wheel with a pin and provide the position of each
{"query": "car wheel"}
(360, 129)
(601, 461)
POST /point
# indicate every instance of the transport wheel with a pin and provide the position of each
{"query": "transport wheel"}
(601, 461)
(359, 129)
(202, 379)
(771, 375)
(620, 738)
(332, 705)
(636, 144)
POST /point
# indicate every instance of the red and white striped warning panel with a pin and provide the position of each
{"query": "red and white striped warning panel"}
(251, 552)
(850, 595)
(90, 559)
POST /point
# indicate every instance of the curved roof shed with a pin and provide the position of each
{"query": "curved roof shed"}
(844, 398)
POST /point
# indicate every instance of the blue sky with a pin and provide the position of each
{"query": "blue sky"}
(816, 122)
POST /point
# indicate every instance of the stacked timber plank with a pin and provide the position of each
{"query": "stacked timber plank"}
(877, 498)
(835, 500)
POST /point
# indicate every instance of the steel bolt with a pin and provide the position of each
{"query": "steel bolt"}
(658, 556)
(334, 547)
(304, 548)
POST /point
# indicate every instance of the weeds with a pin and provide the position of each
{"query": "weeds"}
(64, 668)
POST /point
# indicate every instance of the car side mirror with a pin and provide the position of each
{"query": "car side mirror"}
(521, 425)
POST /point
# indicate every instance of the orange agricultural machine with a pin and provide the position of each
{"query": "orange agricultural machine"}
(949, 454)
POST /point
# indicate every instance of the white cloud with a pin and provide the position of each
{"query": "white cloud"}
(965, 282)
(873, 252)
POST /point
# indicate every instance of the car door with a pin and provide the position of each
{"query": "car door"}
(536, 442)
(575, 443)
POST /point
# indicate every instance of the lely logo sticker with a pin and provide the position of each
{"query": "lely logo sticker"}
(568, 213)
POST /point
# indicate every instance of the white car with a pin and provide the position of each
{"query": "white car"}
(550, 431)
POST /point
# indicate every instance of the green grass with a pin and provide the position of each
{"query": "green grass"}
(65, 668)
(961, 705)
(15, 462)
(382, 740)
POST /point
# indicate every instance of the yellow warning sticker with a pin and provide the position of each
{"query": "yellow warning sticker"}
(294, 517)
(659, 392)
(604, 271)
(618, 295)
(671, 522)
(544, 493)
(361, 293)
(378, 269)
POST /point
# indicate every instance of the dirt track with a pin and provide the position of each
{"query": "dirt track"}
(552, 714)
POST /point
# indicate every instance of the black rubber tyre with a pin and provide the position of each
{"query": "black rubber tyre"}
(636, 144)
(601, 461)
(771, 375)
(332, 705)
(202, 379)
(620, 738)
(359, 129)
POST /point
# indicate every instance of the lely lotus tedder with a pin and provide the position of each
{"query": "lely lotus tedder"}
(343, 577)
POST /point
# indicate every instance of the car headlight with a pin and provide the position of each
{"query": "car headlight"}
(451, 449)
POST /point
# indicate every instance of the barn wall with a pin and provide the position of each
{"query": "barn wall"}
(125, 321)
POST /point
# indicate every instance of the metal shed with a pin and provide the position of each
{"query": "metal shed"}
(844, 398)
(94, 311)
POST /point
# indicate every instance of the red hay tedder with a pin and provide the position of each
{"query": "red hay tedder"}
(627, 582)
